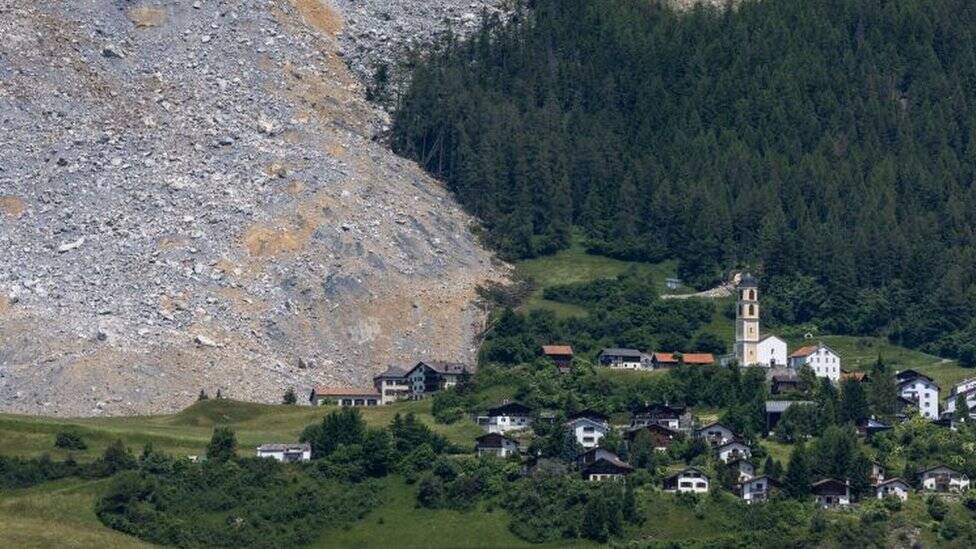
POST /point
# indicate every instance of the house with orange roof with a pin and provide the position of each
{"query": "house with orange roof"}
(561, 355)
(821, 359)
(670, 360)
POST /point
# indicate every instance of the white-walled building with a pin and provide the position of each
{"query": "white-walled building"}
(690, 480)
(921, 390)
(822, 360)
(944, 479)
(731, 451)
(756, 489)
(392, 385)
(507, 417)
(622, 359)
(831, 493)
(771, 352)
(893, 487)
(715, 434)
(286, 453)
(587, 431)
(496, 444)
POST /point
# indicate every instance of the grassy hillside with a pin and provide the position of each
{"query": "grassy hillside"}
(187, 432)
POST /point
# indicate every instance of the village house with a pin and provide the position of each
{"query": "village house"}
(496, 444)
(963, 386)
(877, 474)
(592, 455)
(431, 376)
(870, 427)
(607, 467)
(507, 417)
(690, 480)
(670, 360)
(783, 380)
(661, 437)
(966, 390)
(392, 385)
(560, 355)
(920, 389)
(894, 487)
(831, 493)
(344, 396)
(757, 489)
(621, 359)
(676, 418)
(743, 468)
(286, 453)
(588, 427)
(715, 434)
(733, 450)
(821, 359)
(943, 479)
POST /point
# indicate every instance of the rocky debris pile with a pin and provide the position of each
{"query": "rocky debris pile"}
(379, 33)
(190, 199)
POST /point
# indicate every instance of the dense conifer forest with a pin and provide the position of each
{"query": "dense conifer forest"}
(830, 145)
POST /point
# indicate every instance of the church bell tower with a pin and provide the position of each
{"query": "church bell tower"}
(747, 321)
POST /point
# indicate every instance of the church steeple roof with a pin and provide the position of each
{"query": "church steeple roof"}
(748, 281)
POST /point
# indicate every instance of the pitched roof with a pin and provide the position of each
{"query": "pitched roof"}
(345, 391)
(748, 281)
(685, 470)
(914, 377)
(734, 442)
(771, 336)
(803, 352)
(288, 447)
(392, 372)
(891, 481)
(662, 410)
(687, 358)
(715, 424)
(557, 350)
(909, 373)
(609, 464)
(939, 466)
(441, 367)
(510, 408)
(494, 440)
(774, 406)
(829, 486)
(617, 351)
(591, 421)
(590, 414)
(632, 432)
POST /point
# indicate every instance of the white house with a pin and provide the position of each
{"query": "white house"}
(344, 396)
(622, 359)
(944, 479)
(508, 417)
(831, 493)
(286, 453)
(607, 467)
(771, 352)
(745, 470)
(968, 394)
(715, 434)
(587, 431)
(756, 489)
(431, 376)
(392, 385)
(690, 480)
(821, 359)
(495, 444)
(895, 487)
(676, 418)
(920, 389)
(731, 451)
(963, 386)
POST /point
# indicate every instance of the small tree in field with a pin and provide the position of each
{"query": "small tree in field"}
(289, 397)
(203, 395)
(222, 446)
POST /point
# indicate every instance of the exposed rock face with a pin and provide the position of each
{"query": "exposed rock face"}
(190, 199)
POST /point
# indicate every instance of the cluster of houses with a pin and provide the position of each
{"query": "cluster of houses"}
(424, 379)
(666, 424)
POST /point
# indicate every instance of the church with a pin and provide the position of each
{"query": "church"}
(751, 348)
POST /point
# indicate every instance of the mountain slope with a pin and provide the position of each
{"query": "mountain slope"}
(190, 198)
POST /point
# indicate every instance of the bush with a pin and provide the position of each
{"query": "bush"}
(937, 507)
(892, 503)
(69, 440)
(969, 501)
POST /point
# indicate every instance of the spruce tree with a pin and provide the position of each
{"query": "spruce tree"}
(796, 482)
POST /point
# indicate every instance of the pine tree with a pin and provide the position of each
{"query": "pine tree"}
(796, 483)
(202, 395)
(289, 397)
(854, 404)
(882, 391)
(962, 408)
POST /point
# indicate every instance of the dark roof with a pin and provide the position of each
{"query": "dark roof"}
(740, 461)
(441, 367)
(770, 480)
(393, 372)
(663, 410)
(892, 481)
(909, 374)
(590, 414)
(685, 470)
(510, 408)
(788, 375)
(914, 378)
(292, 447)
(607, 466)
(655, 427)
(733, 442)
(748, 281)
(715, 424)
(494, 440)
(829, 487)
(940, 466)
(617, 351)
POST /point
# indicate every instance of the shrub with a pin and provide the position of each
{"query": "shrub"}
(69, 440)
(937, 507)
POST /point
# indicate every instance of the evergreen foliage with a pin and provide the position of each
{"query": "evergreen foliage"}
(831, 143)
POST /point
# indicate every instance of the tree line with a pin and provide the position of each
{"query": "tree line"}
(829, 145)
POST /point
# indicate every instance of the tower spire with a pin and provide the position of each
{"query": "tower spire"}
(747, 321)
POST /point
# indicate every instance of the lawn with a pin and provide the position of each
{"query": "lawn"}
(188, 432)
(575, 265)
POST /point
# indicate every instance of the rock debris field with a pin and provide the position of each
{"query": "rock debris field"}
(191, 198)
